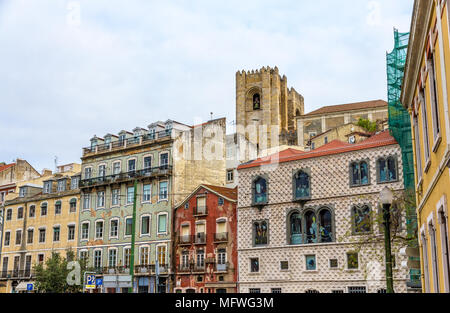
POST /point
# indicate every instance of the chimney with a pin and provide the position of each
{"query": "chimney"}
(46, 172)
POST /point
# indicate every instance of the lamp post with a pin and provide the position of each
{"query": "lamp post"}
(386, 198)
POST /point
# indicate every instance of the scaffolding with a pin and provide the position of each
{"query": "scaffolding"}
(400, 129)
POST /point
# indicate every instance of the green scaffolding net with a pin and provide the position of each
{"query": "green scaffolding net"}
(400, 129)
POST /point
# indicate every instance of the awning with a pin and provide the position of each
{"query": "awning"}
(22, 286)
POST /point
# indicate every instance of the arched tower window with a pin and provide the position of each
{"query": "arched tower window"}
(326, 228)
(256, 101)
(311, 227)
(260, 233)
(302, 185)
(296, 233)
(260, 191)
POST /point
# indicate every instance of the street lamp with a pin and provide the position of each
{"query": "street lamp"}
(386, 198)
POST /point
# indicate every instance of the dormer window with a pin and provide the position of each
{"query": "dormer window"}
(47, 187)
(22, 192)
(302, 185)
(151, 133)
(61, 185)
(107, 140)
(93, 144)
(122, 138)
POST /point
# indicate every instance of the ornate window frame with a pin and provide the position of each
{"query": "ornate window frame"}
(307, 171)
(395, 157)
(350, 173)
(254, 233)
(254, 179)
(352, 215)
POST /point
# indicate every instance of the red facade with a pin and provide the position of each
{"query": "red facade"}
(205, 247)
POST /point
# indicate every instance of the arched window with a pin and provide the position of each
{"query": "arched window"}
(296, 233)
(256, 101)
(326, 228)
(387, 169)
(361, 219)
(302, 185)
(260, 191)
(359, 173)
(311, 227)
(260, 231)
(392, 169)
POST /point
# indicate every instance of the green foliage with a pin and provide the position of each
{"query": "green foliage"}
(52, 277)
(367, 125)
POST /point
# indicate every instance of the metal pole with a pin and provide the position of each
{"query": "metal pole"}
(387, 248)
(133, 231)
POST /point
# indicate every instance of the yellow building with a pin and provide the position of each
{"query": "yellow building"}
(425, 94)
(41, 219)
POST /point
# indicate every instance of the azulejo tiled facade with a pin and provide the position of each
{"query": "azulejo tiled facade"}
(313, 245)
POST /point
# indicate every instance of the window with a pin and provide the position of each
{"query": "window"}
(220, 201)
(352, 260)
(164, 160)
(162, 223)
(114, 228)
(296, 236)
(334, 263)
(9, 214)
(361, 219)
(254, 265)
(130, 195)
(84, 256)
(20, 213)
(58, 207)
(122, 138)
(128, 226)
(387, 169)
(41, 235)
(276, 290)
(425, 262)
(221, 259)
(185, 259)
(145, 225)
(44, 209)
(426, 142)
(260, 191)
(418, 147)
(147, 162)
(126, 257)
(356, 289)
(47, 187)
(325, 229)
(434, 96)
(256, 101)
(30, 234)
(102, 171)
(100, 199)
(381, 290)
(161, 253)
(443, 226)
(144, 253)
(260, 233)
(325, 140)
(85, 231)
(116, 168)
(230, 176)
(310, 262)
(311, 227)
(147, 193)
(337, 291)
(75, 182)
(284, 265)
(131, 165)
(115, 197)
(200, 259)
(163, 191)
(359, 173)
(302, 185)
(254, 290)
(32, 211)
(98, 258)
(7, 238)
(112, 257)
(86, 201)
(56, 233)
(434, 257)
(87, 173)
(61, 185)
(99, 229)
(18, 237)
(5, 266)
(73, 205)
(71, 232)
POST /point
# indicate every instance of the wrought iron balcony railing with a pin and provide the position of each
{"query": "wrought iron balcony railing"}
(200, 211)
(185, 240)
(221, 237)
(200, 239)
(27, 273)
(221, 267)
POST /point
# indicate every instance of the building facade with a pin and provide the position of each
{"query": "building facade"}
(307, 222)
(167, 161)
(205, 251)
(12, 173)
(425, 94)
(42, 219)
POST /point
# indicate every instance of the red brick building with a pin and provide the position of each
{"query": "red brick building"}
(206, 241)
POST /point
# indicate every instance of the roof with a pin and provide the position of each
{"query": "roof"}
(228, 193)
(334, 147)
(349, 107)
(4, 167)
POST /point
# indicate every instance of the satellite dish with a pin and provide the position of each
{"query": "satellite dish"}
(352, 139)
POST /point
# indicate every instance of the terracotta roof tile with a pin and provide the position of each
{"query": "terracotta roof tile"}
(349, 107)
(4, 167)
(230, 193)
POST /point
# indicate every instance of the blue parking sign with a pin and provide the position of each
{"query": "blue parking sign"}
(29, 287)
(99, 281)
(90, 281)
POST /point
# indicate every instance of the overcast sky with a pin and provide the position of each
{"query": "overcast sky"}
(72, 69)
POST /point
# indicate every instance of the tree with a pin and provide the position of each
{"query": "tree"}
(52, 278)
(368, 125)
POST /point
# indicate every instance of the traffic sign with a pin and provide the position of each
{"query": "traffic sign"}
(90, 281)
(29, 287)
(99, 281)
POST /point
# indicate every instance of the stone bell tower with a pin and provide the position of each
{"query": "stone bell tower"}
(264, 100)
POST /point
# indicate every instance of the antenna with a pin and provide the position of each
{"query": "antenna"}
(56, 164)
(211, 115)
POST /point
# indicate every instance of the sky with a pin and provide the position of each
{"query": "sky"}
(70, 70)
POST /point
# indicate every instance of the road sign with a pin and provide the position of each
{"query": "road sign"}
(90, 281)
(29, 287)
(99, 281)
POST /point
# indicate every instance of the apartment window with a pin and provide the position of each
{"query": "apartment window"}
(128, 226)
(9, 214)
(221, 258)
(230, 176)
(85, 231)
(114, 228)
(145, 225)
(144, 253)
(162, 223)
(337, 291)
(22, 191)
(47, 187)
(130, 194)
(131, 165)
(7, 238)
(254, 265)
(71, 232)
(185, 259)
(5, 266)
(434, 257)
(418, 147)
(284, 265)
(84, 256)
(115, 197)
(147, 162)
(359, 173)
(30, 234)
(98, 258)
(352, 260)
(116, 168)
(382, 290)
(260, 233)
(16, 264)
(86, 201)
(356, 289)
(200, 258)
(164, 160)
(310, 262)
(126, 257)
(75, 182)
(434, 96)
(276, 290)
(259, 191)
(40, 258)
(87, 173)
(443, 226)
(43, 209)
(425, 262)
(163, 190)
(361, 219)
(302, 184)
(100, 199)
(41, 235)
(147, 192)
(61, 185)
(20, 213)
(56, 233)
(112, 257)
(58, 207)
(254, 290)
(426, 141)
(102, 171)
(73, 205)
(32, 211)
(99, 229)
(161, 254)
(387, 169)
(325, 140)
(18, 237)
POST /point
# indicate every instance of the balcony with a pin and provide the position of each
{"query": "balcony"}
(200, 211)
(126, 176)
(144, 269)
(200, 239)
(17, 274)
(185, 240)
(220, 237)
(184, 268)
(113, 270)
(200, 268)
(221, 267)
